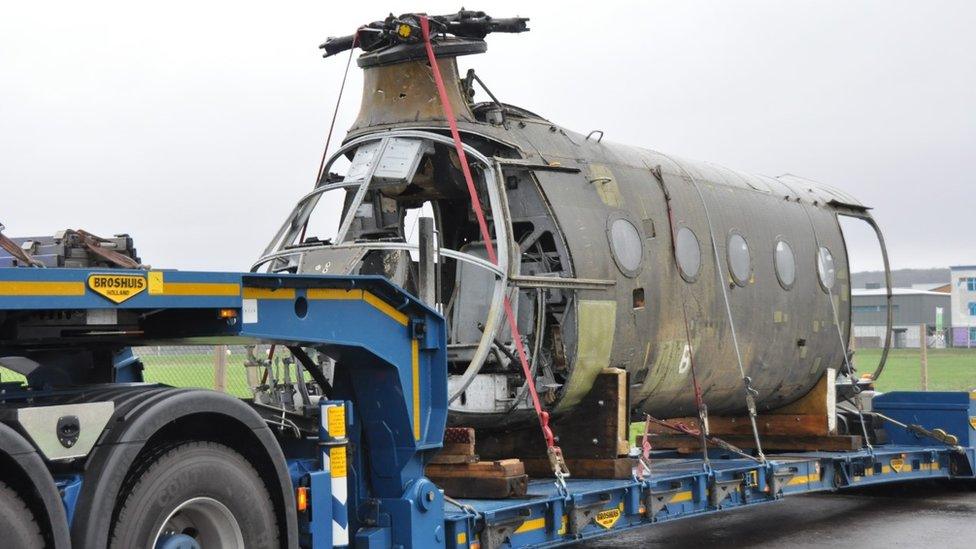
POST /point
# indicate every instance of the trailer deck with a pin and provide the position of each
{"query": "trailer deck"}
(392, 406)
(683, 487)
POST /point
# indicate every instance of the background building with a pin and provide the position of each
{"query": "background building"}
(911, 309)
(963, 282)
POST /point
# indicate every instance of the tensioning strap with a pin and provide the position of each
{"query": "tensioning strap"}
(555, 454)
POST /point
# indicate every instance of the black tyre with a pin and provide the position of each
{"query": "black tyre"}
(17, 524)
(196, 494)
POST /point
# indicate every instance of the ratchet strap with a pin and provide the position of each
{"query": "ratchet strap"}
(553, 451)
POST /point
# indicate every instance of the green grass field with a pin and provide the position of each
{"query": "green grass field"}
(949, 369)
(195, 370)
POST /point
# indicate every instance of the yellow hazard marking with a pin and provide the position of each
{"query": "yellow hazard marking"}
(972, 422)
(336, 421)
(680, 497)
(379, 304)
(157, 284)
(462, 538)
(269, 293)
(25, 288)
(530, 525)
(804, 479)
(116, 287)
(201, 289)
(337, 461)
(415, 367)
(608, 517)
(538, 524)
(385, 308)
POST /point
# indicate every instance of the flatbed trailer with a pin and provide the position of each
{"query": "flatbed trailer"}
(80, 440)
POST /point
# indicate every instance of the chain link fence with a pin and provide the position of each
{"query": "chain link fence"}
(907, 337)
(215, 367)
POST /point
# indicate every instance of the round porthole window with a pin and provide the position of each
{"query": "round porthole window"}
(626, 245)
(785, 264)
(825, 268)
(689, 254)
(739, 258)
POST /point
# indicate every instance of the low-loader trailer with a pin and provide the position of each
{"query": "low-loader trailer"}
(91, 456)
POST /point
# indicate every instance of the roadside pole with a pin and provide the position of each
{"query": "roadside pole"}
(923, 345)
(220, 368)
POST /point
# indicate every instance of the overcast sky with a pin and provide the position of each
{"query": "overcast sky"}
(194, 126)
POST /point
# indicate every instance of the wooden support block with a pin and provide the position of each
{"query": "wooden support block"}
(606, 468)
(484, 488)
(767, 424)
(483, 479)
(481, 469)
(597, 428)
(832, 443)
(452, 459)
(458, 448)
(820, 401)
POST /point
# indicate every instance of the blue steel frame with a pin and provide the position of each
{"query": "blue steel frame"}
(392, 377)
(391, 351)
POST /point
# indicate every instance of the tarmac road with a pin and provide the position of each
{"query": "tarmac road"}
(937, 515)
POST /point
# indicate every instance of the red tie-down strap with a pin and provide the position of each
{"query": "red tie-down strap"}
(555, 454)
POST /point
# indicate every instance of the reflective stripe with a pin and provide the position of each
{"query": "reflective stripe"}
(269, 293)
(200, 289)
(31, 288)
(379, 304)
(415, 362)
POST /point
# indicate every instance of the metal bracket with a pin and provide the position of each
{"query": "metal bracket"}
(719, 490)
(496, 534)
(656, 501)
(778, 479)
(581, 515)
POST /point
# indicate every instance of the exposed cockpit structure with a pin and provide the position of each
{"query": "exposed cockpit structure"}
(612, 256)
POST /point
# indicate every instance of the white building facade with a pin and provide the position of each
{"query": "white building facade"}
(963, 283)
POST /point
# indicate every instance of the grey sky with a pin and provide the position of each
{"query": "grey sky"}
(194, 126)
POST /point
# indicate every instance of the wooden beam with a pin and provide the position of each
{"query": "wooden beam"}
(832, 443)
(482, 479)
(615, 468)
(767, 424)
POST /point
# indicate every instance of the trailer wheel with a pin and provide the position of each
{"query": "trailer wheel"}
(17, 524)
(196, 494)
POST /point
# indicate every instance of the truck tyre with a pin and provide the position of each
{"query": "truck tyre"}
(17, 524)
(195, 494)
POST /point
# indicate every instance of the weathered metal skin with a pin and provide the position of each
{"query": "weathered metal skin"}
(787, 336)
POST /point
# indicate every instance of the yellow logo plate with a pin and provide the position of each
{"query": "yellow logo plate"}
(117, 288)
(897, 464)
(608, 517)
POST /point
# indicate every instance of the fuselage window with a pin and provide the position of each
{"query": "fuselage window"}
(825, 268)
(626, 245)
(785, 264)
(689, 254)
(739, 258)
